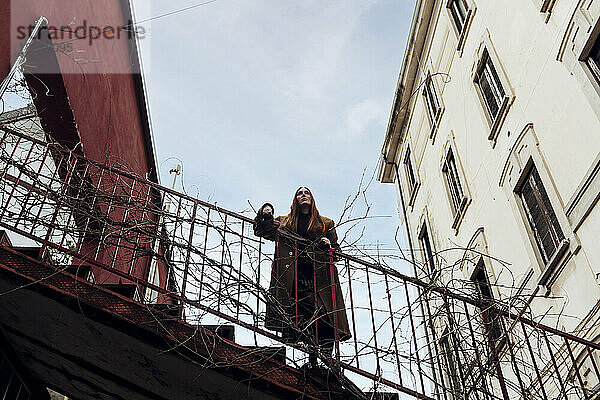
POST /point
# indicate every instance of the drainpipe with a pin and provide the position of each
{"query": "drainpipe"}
(41, 21)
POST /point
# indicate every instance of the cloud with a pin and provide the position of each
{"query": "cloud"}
(361, 115)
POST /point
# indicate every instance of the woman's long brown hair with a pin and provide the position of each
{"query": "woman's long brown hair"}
(316, 225)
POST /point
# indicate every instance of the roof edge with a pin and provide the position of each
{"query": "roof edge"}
(405, 87)
(139, 82)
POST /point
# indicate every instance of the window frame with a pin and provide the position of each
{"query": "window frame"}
(580, 34)
(524, 153)
(486, 52)
(462, 32)
(591, 67)
(549, 261)
(430, 90)
(545, 6)
(409, 170)
(458, 212)
(428, 253)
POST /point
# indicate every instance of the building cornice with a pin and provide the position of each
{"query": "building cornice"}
(406, 83)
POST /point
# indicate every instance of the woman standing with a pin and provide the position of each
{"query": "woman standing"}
(306, 302)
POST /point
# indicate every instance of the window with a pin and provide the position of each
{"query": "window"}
(433, 103)
(544, 224)
(411, 177)
(457, 194)
(593, 60)
(490, 85)
(491, 318)
(540, 214)
(459, 10)
(427, 249)
(455, 183)
(546, 6)
(461, 14)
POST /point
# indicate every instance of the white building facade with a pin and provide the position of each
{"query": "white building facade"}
(494, 145)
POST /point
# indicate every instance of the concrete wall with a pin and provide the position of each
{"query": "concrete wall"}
(553, 118)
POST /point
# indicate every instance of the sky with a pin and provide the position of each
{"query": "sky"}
(256, 98)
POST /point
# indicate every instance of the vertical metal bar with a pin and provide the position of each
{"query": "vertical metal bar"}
(29, 193)
(94, 203)
(515, 366)
(455, 343)
(389, 298)
(317, 316)
(137, 237)
(334, 305)
(576, 369)
(414, 335)
(43, 203)
(593, 362)
(204, 255)
(3, 137)
(15, 184)
(80, 235)
(495, 359)
(562, 386)
(123, 221)
(429, 322)
(535, 366)
(60, 200)
(176, 219)
(107, 215)
(475, 347)
(223, 244)
(11, 157)
(513, 360)
(378, 368)
(255, 316)
(72, 211)
(352, 312)
(296, 279)
(187, 256)
(239, 289)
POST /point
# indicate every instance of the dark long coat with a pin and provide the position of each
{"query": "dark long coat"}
(282, 311)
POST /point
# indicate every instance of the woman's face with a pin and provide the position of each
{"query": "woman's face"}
(303, 196)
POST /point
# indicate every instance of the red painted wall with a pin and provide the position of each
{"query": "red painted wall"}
(104, 103)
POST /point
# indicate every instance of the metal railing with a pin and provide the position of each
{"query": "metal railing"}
(407, 334)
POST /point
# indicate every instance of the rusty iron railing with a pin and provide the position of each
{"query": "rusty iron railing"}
(408, 334)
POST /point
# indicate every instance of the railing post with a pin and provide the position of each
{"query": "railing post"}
(334, 306)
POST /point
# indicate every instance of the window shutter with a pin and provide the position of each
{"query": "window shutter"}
(410, 173)
(454, 185)
(542, 219)
(490, 85)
